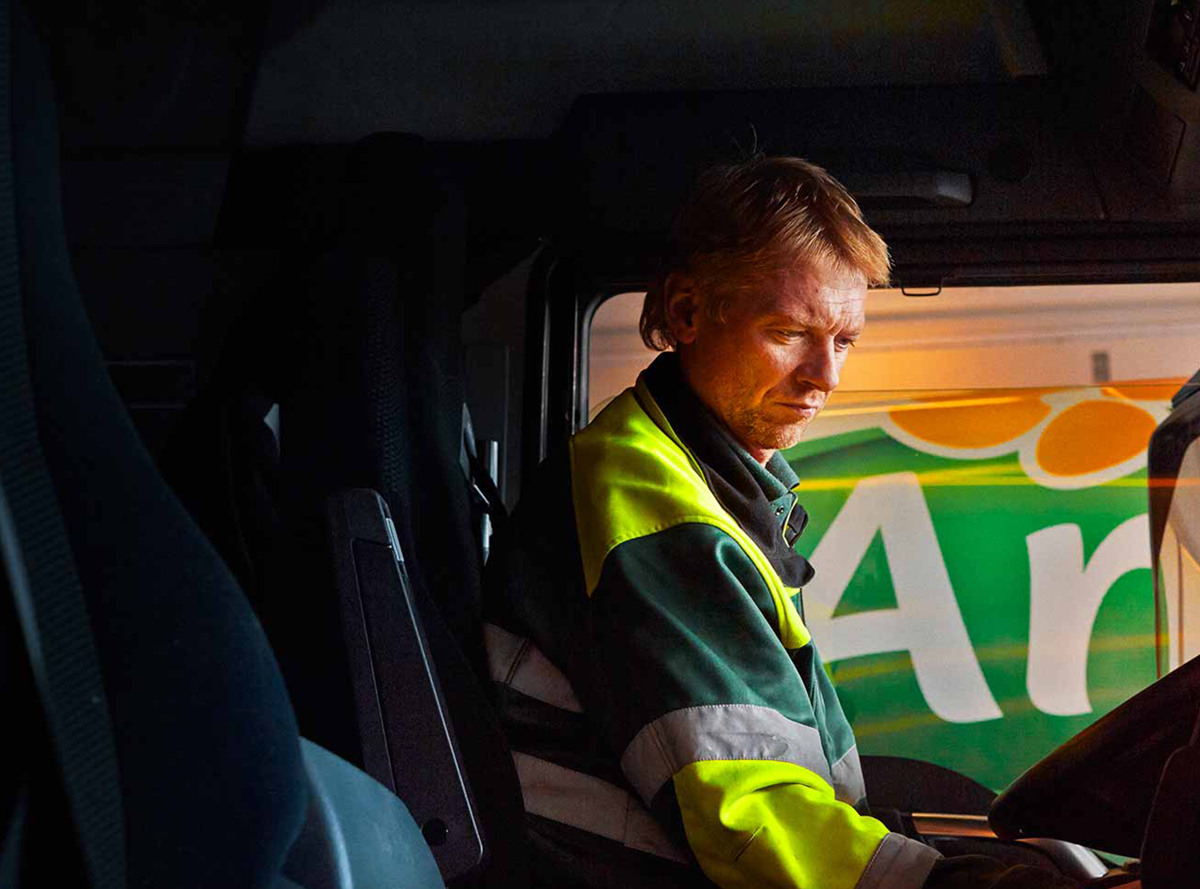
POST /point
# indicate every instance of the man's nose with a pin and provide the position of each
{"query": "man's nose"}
(820, 367)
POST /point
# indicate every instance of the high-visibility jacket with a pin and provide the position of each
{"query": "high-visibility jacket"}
(659, 687)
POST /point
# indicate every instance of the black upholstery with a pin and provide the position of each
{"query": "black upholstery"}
(360, 348)
(361, 351)
(211, 775)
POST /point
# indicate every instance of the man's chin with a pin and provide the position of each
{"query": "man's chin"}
(780, 438)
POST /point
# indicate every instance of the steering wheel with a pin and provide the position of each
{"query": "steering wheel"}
(1098, 788)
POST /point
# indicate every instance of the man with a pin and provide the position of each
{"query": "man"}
(665, 702)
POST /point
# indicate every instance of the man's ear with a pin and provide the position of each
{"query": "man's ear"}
(683, 307)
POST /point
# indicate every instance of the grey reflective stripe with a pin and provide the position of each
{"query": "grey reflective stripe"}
(718, 731)
(516, 662)
(898, 863)
(590, 804)
(848, 783)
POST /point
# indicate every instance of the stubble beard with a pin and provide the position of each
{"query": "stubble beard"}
(751, 428)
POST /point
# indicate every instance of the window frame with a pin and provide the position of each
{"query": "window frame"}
(565, 290)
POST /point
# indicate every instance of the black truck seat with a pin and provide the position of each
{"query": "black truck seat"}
(347, 375)
(160, 735)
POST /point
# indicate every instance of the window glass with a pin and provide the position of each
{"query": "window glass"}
(978, 502)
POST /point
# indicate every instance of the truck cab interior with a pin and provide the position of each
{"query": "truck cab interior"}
(295, 294)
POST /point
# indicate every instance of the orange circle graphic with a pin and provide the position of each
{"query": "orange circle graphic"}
(1093, 435)
(974, 425)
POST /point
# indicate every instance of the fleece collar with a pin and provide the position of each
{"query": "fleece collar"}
(762, 500)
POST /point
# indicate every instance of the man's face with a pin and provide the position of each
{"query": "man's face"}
(766, 370)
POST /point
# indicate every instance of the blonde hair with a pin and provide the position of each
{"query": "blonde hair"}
(745, 221)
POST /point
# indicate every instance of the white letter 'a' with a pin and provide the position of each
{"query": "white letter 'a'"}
(1065, 598)
(926, 621)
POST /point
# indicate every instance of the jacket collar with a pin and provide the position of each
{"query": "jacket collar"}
(762, 500)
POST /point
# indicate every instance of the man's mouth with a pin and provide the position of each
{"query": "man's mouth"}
(805, 409)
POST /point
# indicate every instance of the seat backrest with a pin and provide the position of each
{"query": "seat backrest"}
(360, 351)
(187, 722)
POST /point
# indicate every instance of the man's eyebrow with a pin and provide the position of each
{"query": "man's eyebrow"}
(795, 320)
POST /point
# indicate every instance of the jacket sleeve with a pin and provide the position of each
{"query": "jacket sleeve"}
(682, 667)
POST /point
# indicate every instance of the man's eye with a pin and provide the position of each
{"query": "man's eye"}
(844, 343)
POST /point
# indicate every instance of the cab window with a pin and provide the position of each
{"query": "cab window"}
(978, 503)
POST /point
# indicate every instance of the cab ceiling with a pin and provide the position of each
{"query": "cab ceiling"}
(336, 71)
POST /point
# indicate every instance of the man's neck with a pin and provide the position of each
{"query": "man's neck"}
(760, 456)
